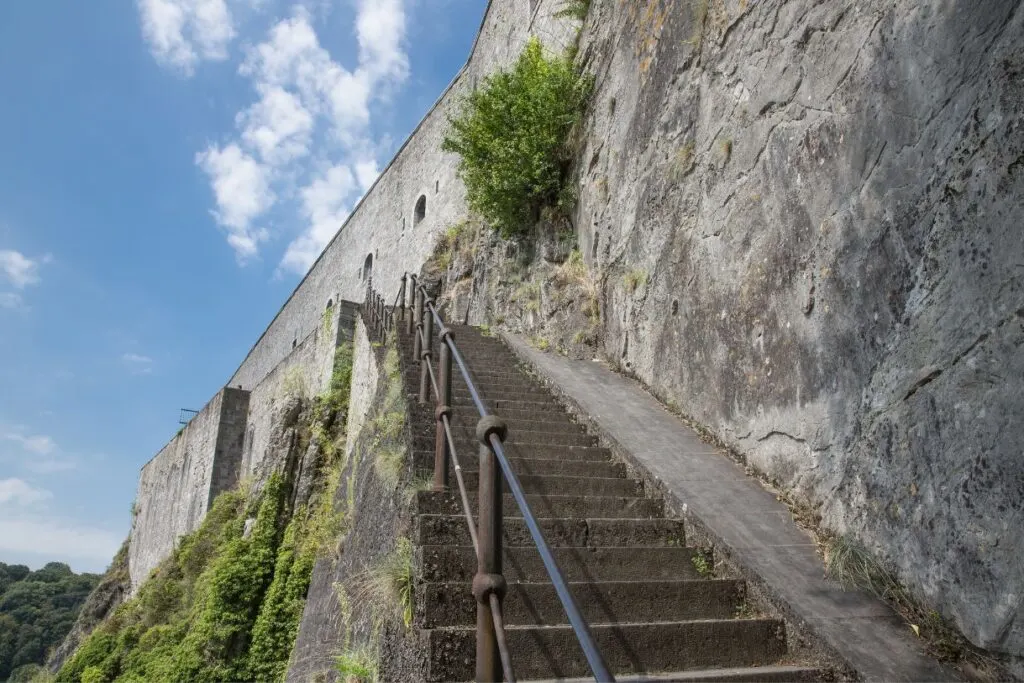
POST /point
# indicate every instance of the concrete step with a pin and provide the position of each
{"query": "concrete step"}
(467, 452)
(522, 466)
(491, 394)
(583, 486)
(778, 673)
(571, 532)
(544, 434)
(553, 651)
(487, 378)
(603, 602)
(458, 563)
(466, 438)
(464, 420)
(498, 405)
(605, 507)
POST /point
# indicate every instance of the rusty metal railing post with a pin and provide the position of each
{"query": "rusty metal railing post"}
(376, 312)
(442, 454)
(401, 298)
(412, 305)
(417, 342)
(488, 580)
(426, 351)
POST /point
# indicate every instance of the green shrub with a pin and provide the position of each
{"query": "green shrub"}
(511, 135)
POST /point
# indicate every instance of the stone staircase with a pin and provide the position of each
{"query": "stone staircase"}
(628, 566)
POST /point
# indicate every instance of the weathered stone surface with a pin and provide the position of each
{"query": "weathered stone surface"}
(826, 202)
(340, 614)
(177, 485)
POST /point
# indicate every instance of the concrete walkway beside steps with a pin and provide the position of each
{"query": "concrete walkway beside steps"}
(756, 531)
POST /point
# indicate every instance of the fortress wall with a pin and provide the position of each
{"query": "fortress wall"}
(174, 487)
(305, 371)
(383, 224)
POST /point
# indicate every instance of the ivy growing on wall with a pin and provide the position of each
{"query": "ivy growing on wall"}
(512, 136)
(226, 604)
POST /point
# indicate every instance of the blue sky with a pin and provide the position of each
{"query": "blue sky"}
(168, 171)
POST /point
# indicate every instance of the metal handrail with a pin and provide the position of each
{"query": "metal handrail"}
(578, 623)
(491, 587)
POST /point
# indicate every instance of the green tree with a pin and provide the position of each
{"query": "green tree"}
(37, 609)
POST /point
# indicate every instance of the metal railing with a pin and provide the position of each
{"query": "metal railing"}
(489, 585)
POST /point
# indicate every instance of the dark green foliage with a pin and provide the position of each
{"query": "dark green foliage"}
(37, 609)
(334, 403)
(226, 605)
(512, 136)
(192, 620)
(577, 9)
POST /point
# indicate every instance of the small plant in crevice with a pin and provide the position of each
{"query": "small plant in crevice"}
(575, 9)
(513, 139)
(853, 566)
(294, 383)
(388, 585)
(744, 610)
(703, 563)
(634, 280)
(357, 665)
(419, 484)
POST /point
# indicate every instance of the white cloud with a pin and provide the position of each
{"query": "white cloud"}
(20, 270)
(40, 445)
(324, 206)
(10, 300)
(182, 32)
(138, 364)
(242, 189)
(277, 126)
(366, 172)
(306, 100)
(50, 465)
(57, 539)
(40, 453)
(19, 492)
(380, 28)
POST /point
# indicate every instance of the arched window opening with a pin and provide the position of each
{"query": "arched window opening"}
(421, 210)
(330, 304)
(368, 267)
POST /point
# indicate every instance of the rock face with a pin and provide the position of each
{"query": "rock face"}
(809, 220)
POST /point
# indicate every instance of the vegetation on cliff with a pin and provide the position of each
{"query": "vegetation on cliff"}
(512, 135)
(226, 605)
(37, 609)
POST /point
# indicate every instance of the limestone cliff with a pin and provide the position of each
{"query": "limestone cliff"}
(807, 222)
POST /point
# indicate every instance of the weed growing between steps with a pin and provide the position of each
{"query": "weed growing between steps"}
(226, 604)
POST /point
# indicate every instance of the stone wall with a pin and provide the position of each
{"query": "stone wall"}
(808, 217)
(305, 371)
(176, 486)
(383, 225)
(340, 617)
